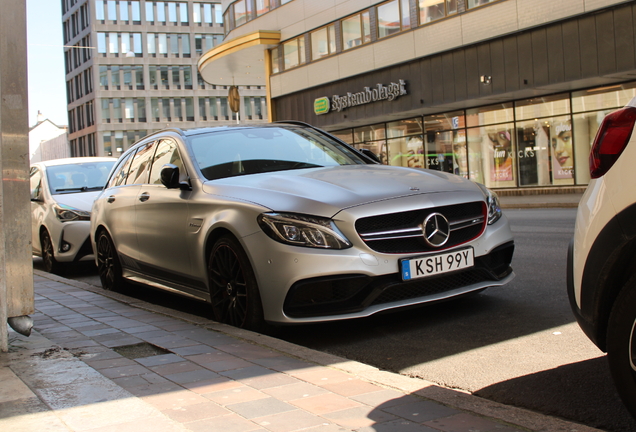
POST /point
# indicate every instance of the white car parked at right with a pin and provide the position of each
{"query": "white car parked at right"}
(602, 255)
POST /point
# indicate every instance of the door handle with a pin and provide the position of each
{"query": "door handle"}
(111, 199)
(144, 197)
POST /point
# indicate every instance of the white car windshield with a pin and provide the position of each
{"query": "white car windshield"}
(81, 177)
(242, 151)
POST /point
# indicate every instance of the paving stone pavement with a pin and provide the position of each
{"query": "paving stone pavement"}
(100, 361)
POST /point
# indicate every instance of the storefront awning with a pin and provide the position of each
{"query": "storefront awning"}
(239, 61)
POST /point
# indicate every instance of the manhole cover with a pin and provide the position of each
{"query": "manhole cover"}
(140, 350)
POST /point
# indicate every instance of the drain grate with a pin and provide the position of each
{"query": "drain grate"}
(140, 350)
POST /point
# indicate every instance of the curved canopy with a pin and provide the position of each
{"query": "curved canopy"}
(239, 61)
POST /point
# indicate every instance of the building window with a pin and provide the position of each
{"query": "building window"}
(262, 6)
(111, 6)
(150, 12)
(123, 11)
(161, 12)
(114, 78)
(141, 109)
(113, 47)
(242, 10)
(431, 10)
(139, 76)
(183, 14)
(204, 43)
(474, 3)
(151, 44)
(101, 43)
(136, 12)
(393, 17)
(356, 30)
(323, 42)
(275, 59)
(105, 110)
(294, 52)
(99, 10)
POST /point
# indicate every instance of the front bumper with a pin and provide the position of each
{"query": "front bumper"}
(75, 236)
(354, 294)
(303, 285)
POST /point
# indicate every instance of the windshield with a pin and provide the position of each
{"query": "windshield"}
(236, 152)
(81, 177)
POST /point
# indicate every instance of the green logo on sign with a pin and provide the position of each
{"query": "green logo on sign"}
(321, 106)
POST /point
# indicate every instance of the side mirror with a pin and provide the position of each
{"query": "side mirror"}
(170, 177)
(368, 153)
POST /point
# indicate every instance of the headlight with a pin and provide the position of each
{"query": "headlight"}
(301, 230)
(67, 213)
(492, 200)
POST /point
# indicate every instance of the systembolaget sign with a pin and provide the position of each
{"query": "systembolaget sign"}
(378, 93)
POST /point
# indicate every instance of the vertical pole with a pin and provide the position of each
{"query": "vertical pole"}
(16, 262)
(268, 92)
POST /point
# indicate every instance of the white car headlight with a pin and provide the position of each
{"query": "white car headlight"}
(67, 213)
(492, 200)
(301, 230)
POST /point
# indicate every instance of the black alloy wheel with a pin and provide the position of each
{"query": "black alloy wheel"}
(108, 266)
(233, 289)
(48, 255)
(621, 344)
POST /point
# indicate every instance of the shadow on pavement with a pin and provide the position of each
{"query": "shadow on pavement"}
(585, 388)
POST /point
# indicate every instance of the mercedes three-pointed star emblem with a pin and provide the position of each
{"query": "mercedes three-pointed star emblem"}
(436, 230)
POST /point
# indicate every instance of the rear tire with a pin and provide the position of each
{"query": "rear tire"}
(234, 291)
(108, 265)
(621, 344)
(48, 254)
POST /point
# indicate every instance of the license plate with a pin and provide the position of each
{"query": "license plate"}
(430, 265)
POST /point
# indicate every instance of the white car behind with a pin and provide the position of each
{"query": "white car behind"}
(602, 255)
(62, 193)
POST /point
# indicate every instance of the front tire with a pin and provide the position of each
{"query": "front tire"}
(233, 288)
(108, 265)
(48, 254)
(621, 344)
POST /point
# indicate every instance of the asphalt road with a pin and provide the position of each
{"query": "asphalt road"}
(518, 344)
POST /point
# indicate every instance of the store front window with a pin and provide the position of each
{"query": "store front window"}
(445, 142)
(544, 132)
(404, 143)
(372, 138)
(538, 142)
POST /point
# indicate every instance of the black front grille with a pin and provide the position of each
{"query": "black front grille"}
(337, 295)
(402, 232)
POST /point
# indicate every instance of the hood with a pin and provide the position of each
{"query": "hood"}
(326, 191)
(79, 200)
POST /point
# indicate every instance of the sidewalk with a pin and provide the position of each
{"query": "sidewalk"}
(100, 361)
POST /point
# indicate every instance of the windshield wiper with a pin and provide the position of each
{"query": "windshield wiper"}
(80, 189)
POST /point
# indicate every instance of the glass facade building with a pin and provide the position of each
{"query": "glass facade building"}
(131, 69)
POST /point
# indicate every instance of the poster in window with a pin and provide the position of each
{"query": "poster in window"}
(502, 155)
(561, 148)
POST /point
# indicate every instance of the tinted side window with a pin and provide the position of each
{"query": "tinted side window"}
(140, 165)
(167, 153)
(119, 175)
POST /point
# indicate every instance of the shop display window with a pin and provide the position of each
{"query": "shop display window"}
(545, 106)
(491, 151)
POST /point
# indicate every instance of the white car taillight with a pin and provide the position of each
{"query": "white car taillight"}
(611, 139)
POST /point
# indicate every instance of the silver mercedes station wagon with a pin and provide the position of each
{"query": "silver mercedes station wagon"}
(284, 223)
